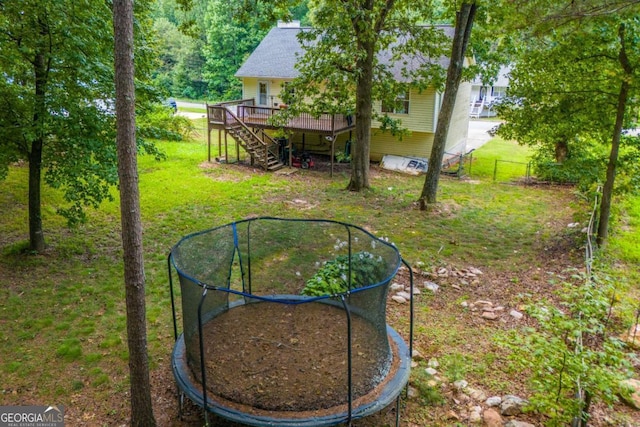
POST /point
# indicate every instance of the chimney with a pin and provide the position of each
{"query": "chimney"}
(291, 24)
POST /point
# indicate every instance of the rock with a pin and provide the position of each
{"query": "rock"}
(475, 271)
(431, 371)
(396, 287)
(399, 299)
(512, 405)
(483, 303)
(460, 384)
(464, 304)
(414, 364)
(516, 423)
(412, 392)
(489, 315)
(493, 401)
(453, 416)
(516, 314)
(416, 355)
(631, 398)
(405, 295)
(476, 394)
(632, 337)
(492, 418)
(475, 415)
(433, 363)
(433, 287)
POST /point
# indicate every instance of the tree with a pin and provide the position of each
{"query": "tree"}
(229, 42)
(141, 407)
(461, 37)
(342, 70)
(577, 81)
(56, 86)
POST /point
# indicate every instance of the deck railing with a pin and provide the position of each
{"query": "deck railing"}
(266, 117)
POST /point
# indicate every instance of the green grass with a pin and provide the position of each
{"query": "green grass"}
(62, 321)
(500, 160)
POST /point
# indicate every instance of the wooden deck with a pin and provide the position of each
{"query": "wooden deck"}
(266, 117)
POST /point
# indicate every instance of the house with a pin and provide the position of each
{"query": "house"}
(484, 97)
(271, 66)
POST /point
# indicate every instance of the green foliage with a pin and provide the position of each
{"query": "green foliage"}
(571, 347)
(159, 122)
(428, 389)
(57, 88)
(333, 277)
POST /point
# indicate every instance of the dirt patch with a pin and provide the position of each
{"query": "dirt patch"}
(277, 357)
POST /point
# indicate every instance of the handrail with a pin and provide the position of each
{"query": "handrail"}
(221, 114)
(325, 122)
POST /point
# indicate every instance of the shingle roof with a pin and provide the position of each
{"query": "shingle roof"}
(277, 53)
(275, 56)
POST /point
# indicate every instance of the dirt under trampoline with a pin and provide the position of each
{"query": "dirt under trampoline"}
(285, 330)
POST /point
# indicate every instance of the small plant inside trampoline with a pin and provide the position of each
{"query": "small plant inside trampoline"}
(333, 277)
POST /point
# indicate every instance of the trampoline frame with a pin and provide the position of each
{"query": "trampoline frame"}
(392, 389)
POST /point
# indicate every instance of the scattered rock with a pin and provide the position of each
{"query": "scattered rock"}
(516, 423)
(492, 418)
(395, 287)
(433, 363)
(489, 315)
(512, 405)
(460, 384)
(431, 371)
(412, 392)
(475, 415)
(464, 304)
(451, 415)
(632, 337)
(433, 287)
(516, 314)
(631, 398)
(416, 355)
(493, 401)
(476, 394)
(405, 295)
(398, 299)
(416, 290)
(483, 303)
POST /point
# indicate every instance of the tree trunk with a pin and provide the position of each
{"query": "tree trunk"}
(362, 147)
(607, 190)
(36, 235)
(464, 24)
(561, 150)
(141, 407)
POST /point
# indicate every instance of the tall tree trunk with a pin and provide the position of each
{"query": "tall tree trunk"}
(607, 190)
(141, 407)
(462, 33)
(362, 147)
(36, 235)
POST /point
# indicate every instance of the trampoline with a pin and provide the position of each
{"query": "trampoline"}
(284, 324)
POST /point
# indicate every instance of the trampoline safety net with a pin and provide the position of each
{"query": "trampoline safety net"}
(285, 315)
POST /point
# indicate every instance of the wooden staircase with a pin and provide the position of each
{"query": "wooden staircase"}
(263, 149)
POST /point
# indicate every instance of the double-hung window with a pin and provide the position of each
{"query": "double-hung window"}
(401, 106)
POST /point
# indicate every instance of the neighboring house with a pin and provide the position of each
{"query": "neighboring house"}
(484, 97)
(267, 70)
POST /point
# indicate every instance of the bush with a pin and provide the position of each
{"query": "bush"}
(331, 278)
(159, 122)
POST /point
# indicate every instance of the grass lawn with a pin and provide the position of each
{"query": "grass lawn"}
(62, 317)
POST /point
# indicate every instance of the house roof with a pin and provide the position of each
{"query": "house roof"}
(502, 80)
(278, 52)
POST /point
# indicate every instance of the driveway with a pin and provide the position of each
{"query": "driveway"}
(478, 133)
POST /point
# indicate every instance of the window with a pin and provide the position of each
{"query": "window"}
(263, 93)
(400, 107)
